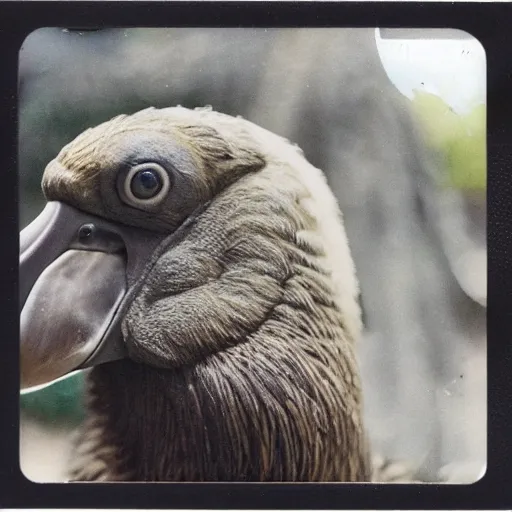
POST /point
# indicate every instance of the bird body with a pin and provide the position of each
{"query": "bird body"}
(240, 320)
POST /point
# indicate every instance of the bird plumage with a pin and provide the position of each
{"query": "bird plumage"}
(241, 334)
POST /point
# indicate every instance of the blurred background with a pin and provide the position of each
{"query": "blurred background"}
(395, 119)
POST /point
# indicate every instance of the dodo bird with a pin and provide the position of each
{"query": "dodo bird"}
(199, 265)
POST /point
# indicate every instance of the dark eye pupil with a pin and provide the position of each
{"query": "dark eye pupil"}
(146, 184)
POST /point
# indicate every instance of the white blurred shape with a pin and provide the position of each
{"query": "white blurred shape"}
(448, 63)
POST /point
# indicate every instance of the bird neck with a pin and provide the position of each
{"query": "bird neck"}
(237, 416)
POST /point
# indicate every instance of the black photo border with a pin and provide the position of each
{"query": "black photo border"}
(491, 24)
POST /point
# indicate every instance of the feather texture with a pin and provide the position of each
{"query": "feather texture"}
(242, 336)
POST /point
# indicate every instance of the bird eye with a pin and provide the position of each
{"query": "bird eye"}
(146, 184)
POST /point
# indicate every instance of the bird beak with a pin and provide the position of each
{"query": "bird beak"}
(78, 273)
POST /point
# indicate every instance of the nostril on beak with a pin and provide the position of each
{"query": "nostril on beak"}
(94, 237)
(86, 232)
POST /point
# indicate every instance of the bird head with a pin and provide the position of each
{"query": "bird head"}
(173, 235)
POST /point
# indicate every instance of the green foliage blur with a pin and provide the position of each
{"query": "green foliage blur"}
(459, 139)
(58, 403)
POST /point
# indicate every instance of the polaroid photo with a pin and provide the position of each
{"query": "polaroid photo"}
(251, 255)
